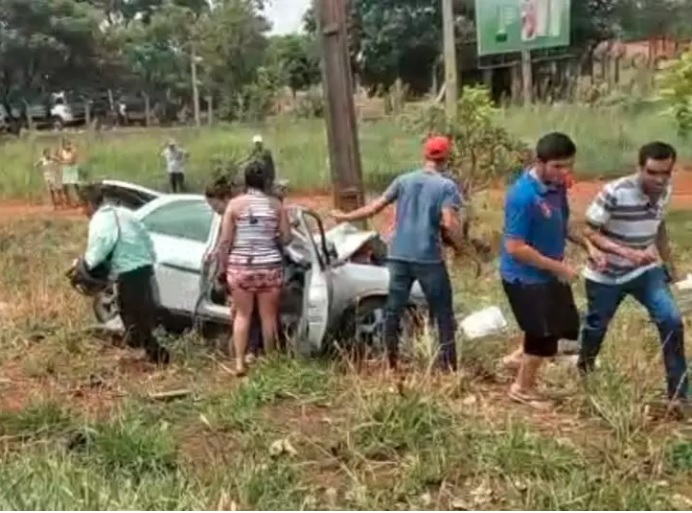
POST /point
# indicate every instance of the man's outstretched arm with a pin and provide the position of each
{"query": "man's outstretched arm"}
(389, 196)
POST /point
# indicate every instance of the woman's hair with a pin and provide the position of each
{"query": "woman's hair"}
(221, 188)
(92, 194)
(255, 175)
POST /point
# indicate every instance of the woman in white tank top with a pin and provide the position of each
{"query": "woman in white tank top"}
(254, 228)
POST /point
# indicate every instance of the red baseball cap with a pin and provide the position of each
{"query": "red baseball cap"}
(437, 148)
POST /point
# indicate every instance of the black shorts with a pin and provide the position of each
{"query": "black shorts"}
(545, 312)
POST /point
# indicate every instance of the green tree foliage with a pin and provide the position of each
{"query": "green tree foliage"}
(641, 19)
(297, 58)
(46, 44)
(675, 92)
(392, 39)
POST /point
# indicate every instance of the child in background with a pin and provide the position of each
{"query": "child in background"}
(48, 165)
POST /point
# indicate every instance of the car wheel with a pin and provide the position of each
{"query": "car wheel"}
(105, 305)
(362, 329)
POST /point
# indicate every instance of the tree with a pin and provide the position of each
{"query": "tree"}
(297, 58)
(47, 44)
(231, 43)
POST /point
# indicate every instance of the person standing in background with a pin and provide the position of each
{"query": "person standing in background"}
(49, 166)
(262, 154)
(427, 206)
(69, 162)
(175, 158)
(627, 221)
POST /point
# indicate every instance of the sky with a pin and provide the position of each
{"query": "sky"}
(286, 15)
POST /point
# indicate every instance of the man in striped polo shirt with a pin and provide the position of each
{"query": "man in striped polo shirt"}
(626, 221)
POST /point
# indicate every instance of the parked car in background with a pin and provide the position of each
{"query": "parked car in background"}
(335, 285)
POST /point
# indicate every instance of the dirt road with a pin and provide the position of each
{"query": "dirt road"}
(580, 195)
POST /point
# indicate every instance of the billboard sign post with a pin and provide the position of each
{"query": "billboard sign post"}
(508, 26)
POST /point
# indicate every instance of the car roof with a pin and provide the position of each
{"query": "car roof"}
(166, 199)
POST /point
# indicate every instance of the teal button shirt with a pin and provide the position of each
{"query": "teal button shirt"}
(125, 236)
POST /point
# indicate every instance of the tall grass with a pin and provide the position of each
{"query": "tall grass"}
(607, 140)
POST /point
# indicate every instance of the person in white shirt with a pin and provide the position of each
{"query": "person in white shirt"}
(175, 158)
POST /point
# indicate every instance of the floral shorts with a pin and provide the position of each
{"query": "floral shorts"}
(252, 279)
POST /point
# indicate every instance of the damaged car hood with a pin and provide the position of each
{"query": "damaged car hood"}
(347, 239)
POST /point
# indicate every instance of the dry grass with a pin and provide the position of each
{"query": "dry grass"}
(77, 430)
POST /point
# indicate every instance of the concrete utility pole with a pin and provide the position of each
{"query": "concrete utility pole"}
(337, 82)
(450, 54)
(195, 86)
(527, 76)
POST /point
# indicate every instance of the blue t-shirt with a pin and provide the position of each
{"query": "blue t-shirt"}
(421, 196)
(538, 215)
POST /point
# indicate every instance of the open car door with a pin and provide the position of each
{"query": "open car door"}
(319, 291)
(127, 194)
(208, 306)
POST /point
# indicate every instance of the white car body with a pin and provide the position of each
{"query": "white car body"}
(184, 230)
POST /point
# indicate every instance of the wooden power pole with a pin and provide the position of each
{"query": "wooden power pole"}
(337, 82)
(450, 54)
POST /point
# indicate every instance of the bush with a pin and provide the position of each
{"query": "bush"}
(675, 92)
(484, 152)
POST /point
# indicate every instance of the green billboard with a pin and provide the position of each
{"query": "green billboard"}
(506, 26)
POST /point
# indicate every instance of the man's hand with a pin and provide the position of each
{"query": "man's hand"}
(641, 257)
(338, 216)
(565, 272)
(598, 258)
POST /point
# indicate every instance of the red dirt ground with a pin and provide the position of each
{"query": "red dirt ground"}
(580, 194)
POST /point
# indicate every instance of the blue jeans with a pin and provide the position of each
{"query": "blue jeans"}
(434, 281)
(652, 292)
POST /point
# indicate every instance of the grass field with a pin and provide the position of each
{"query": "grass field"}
(607, 139)
(80, 430)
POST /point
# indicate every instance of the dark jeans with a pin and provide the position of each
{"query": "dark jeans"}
(652, 292)
(176, 182)
(437, 288)
(138, 312)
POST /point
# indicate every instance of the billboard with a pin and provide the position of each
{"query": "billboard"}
(506, 26)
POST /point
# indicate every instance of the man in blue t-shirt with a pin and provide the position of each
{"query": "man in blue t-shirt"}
(427, 205)
(535, 276)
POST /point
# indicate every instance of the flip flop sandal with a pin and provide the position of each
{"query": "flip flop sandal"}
(240, 373)
(531, 400)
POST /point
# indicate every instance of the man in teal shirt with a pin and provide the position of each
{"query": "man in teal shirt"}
(118, 241)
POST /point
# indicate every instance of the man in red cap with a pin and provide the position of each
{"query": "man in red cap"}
(426, 204)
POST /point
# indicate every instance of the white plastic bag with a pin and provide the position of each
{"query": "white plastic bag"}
(683, 294)
(484, 323)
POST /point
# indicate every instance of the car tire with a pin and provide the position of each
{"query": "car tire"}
(361, 330)
(105, 305)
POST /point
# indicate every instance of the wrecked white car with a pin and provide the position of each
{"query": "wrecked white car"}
(335, 282)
